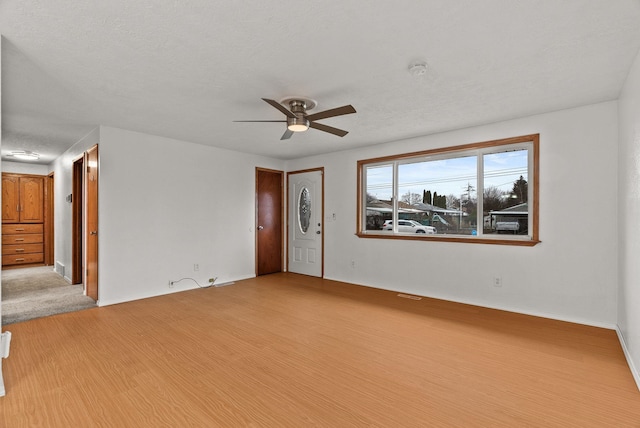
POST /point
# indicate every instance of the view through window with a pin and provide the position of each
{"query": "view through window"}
(477, 191)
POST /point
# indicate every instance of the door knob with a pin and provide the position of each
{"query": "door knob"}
(318, 232)
(93, 232)
(260, 227)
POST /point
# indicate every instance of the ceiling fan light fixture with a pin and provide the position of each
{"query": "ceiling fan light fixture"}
(25, 155)
(297, 124)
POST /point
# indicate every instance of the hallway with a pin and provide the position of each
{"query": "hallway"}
(37, 292)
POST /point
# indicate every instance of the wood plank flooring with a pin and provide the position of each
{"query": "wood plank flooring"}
(286, 350)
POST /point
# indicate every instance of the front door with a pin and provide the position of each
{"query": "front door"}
(269, 221)
(305, 222)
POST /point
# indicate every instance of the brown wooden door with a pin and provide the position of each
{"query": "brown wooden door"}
(269, 195)
(10, 201)
(91, 238)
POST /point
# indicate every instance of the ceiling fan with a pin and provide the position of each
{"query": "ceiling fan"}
(299, 121)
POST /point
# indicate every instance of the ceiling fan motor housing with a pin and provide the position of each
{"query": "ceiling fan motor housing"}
(298, 106)
(300, 122)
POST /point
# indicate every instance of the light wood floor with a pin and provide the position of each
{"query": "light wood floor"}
(286, 350)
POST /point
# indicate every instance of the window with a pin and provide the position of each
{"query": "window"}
(482, 192)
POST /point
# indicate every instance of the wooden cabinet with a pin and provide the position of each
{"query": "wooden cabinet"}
(22, 199)
(22, 219)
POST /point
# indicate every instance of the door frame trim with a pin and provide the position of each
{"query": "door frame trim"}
(302, 171)
(49, 220)
(282, 215)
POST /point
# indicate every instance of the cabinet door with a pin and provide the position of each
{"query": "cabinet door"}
(10, 200)
(31, 199)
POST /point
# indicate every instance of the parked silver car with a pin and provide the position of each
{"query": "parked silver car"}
(409, 226)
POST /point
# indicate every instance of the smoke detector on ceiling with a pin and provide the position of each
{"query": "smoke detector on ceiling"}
(418, 69)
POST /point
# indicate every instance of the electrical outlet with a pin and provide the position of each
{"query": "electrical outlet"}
(497, 281)
(353, 264)
(196, 267)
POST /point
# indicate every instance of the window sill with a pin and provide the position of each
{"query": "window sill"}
(520, 242)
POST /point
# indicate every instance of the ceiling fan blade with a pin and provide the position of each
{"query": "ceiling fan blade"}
(287, 134)
(329, 129)
(259, 120)
(338, 111)
(280, 107)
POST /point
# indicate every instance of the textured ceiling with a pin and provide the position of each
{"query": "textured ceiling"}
(186, 69)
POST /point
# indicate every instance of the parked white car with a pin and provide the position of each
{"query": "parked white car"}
(409, 226)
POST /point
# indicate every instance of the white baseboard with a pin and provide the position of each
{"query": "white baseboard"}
(591, 323)
(627, 355)
(154, 293)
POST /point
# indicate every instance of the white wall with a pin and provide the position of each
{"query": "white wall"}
(571, 275)
(62, 186)
(629, 218)
(25, 168)
(165, 205)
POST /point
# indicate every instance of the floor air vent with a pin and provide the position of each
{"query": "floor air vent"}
(409, 296)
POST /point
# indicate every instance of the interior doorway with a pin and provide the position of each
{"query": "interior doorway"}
(84, 207)
(77, 220)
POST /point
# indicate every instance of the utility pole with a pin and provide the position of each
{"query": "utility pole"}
(467, 191)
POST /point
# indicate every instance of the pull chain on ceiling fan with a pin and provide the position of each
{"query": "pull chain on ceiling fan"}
(299, 121)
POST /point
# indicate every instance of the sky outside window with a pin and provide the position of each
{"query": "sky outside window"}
(380, 182)
(449, 176)
(444, 177)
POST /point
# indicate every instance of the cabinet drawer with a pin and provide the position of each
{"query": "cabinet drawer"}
(22, 249)
(19, 229)
(34, 238)
(21, 259)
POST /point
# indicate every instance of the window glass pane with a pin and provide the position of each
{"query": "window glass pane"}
(379, 208)
(505, 196)
(304, 210)
(439, 193)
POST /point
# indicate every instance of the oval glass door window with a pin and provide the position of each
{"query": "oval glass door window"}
(304, 210)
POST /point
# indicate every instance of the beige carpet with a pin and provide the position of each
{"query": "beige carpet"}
(39, 292)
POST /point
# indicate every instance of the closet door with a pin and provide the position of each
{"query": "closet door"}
(10, 201)
(31, 199)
